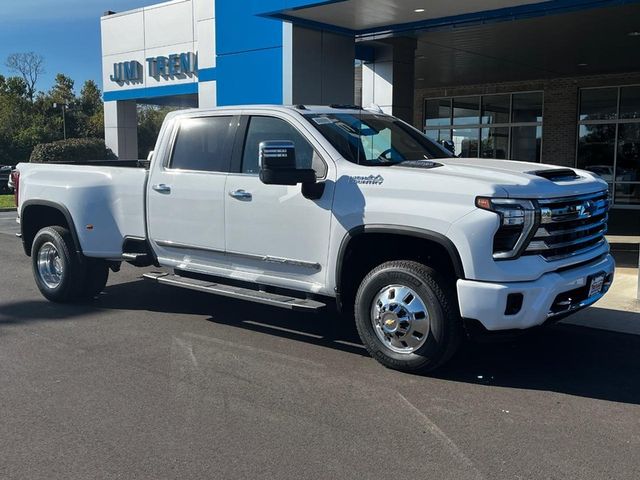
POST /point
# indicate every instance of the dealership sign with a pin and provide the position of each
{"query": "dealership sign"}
(176, 65)
(126, 72)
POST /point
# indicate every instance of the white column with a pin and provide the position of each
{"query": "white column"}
(389, 80)
(121, 128)
(207, 93)
(204, 16)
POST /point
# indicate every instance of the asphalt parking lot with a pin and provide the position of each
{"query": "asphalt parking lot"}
(150, 382)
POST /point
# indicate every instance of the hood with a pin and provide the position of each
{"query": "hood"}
(518, 179)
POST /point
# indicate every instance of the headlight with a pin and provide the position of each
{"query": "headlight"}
(518, 222)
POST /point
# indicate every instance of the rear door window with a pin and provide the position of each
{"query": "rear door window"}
(201, 144)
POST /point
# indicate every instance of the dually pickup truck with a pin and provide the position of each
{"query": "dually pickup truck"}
(299, 206)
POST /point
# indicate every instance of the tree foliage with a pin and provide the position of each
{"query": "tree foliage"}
(29, 66)
(62, 90)
(150, 118)
(28, 118)
(71, 150)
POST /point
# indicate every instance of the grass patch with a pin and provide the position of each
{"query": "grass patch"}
(6, 201)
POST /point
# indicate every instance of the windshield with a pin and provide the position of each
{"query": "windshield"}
(375, 140)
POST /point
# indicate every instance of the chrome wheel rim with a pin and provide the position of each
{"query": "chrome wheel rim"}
(50, 269)
(400, 319)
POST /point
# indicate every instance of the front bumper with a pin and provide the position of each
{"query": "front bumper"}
(542, 299)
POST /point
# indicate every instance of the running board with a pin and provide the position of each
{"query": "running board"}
(239, 293)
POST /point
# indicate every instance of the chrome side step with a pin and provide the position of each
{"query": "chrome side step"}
(133, 257)
(273, 299)
(137, 259)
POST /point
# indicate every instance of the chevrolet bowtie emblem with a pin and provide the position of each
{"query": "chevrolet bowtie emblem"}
(586, 209)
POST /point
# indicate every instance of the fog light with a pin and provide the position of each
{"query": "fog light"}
(514, 303)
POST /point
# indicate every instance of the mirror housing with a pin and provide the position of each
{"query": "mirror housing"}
(277, 163)
(449, 145)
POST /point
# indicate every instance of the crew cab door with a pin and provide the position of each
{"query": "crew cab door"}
(275, 234)
(186, 192)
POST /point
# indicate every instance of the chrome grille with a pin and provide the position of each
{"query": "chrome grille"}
(570, 226)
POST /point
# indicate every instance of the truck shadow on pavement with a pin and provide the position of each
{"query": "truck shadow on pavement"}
(13, 313)
(563, 358)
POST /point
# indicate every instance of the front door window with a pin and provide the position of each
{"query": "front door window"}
(263, 129)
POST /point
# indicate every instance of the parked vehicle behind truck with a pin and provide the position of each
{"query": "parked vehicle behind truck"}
(5, 179)
(296, 207)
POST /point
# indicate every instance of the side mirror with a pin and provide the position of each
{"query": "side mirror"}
(277, 163)
(449, 145)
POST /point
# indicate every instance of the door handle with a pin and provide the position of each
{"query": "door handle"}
(161, 188)
(241, 194)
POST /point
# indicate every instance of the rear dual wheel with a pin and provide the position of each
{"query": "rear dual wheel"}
(63, 275)
(407, 317)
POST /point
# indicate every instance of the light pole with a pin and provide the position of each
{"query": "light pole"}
(63, 107)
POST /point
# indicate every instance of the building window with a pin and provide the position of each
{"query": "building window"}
(505, 125)
(609, 139)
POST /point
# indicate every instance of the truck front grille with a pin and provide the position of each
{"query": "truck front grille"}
(570, 226)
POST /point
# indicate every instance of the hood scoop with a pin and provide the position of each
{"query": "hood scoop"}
(556, 174)
(420, 164)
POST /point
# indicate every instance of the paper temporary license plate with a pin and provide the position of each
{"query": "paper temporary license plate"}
(596, 283)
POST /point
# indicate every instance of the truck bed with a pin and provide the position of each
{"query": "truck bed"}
(105, 202)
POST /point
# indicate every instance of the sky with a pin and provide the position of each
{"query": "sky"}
(65, 32)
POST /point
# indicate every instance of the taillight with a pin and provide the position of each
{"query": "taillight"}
(15, 177)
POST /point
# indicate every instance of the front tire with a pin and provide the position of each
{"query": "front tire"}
(407, 317)
(58, 270)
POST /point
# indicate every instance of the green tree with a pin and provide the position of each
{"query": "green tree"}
(90, 98)
(64, 98)
(90, 111)
(62, 90)
(15, 121)
(13, 86)
(150, 118)
(30, 66)
(28, 118)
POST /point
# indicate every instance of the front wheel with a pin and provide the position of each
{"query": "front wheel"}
(407, 317)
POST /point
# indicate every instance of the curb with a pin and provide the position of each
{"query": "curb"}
(11, 209)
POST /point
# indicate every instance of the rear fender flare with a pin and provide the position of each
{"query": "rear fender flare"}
(24, 219)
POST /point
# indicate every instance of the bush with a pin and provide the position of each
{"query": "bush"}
(73, 150)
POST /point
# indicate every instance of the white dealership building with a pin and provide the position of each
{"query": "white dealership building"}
(552, 81)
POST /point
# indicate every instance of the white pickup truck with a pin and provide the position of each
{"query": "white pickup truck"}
(299, 206)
